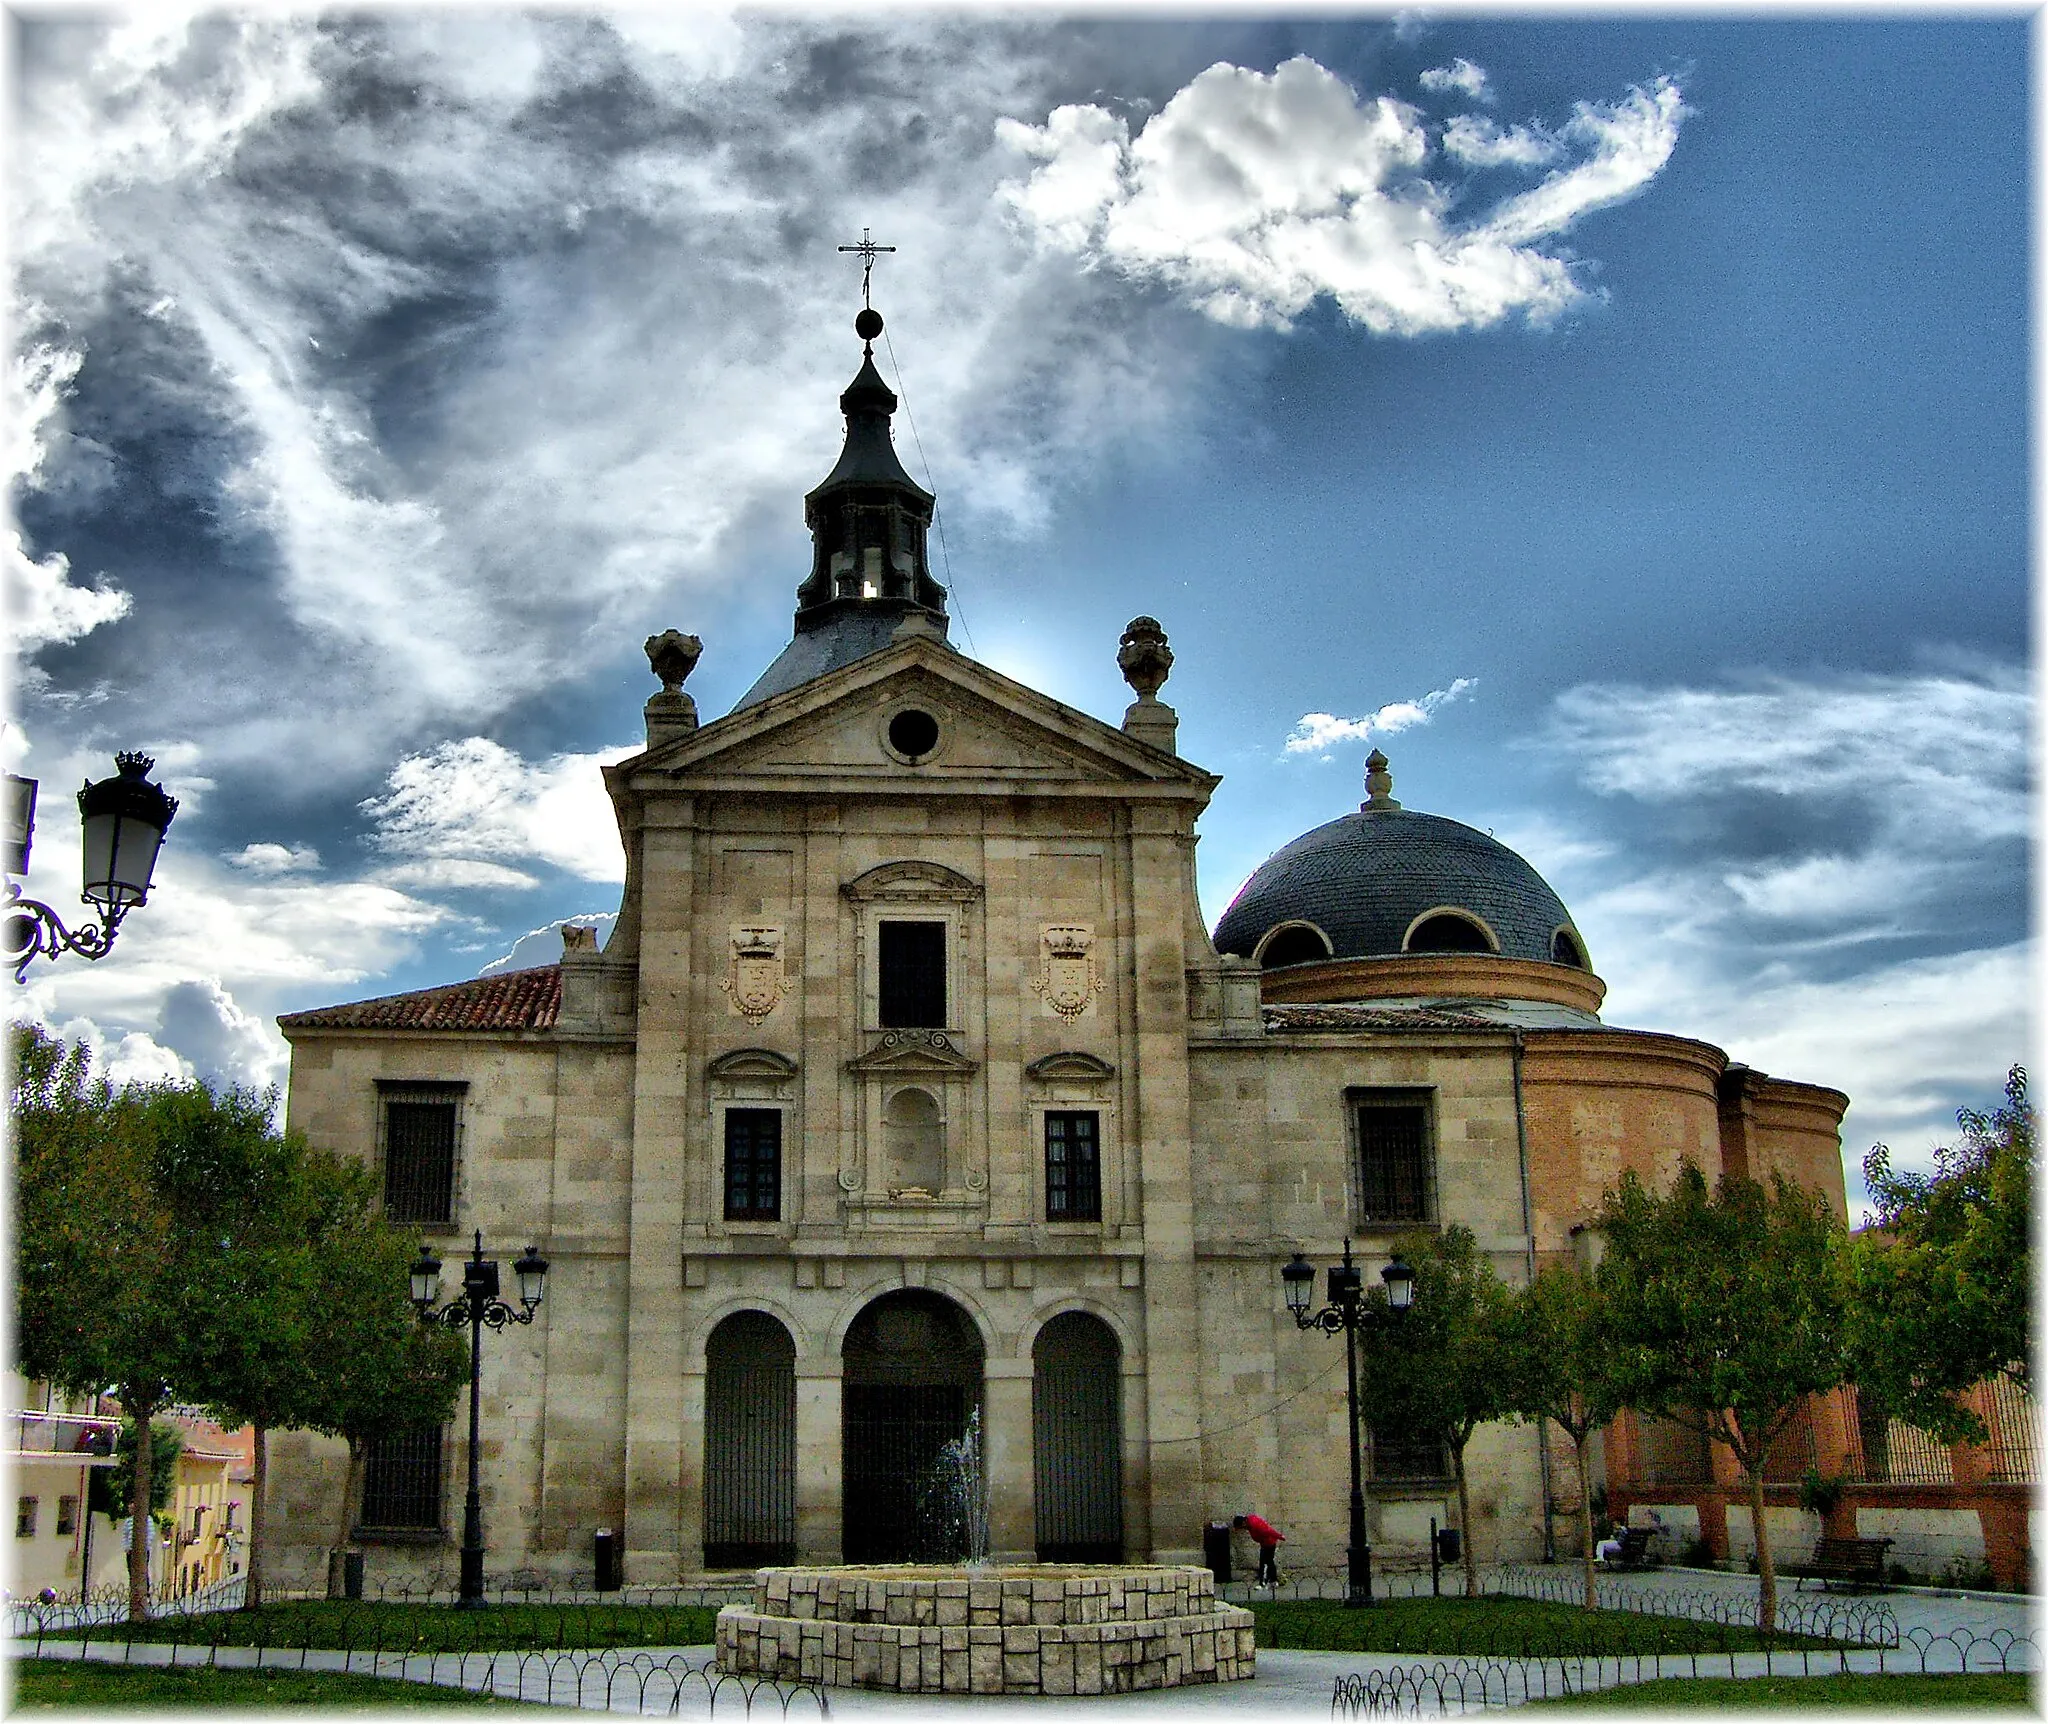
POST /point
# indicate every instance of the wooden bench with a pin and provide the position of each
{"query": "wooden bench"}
(1859, 1561)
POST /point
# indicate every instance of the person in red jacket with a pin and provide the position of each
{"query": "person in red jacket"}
(1269, 1539)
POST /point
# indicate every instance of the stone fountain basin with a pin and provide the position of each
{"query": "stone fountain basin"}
(1028, 1628)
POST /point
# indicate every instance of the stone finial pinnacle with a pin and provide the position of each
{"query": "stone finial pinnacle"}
(672, 655)
(1379, 784)
(1144, 657)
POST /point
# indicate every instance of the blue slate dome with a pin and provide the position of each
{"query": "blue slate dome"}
(1386, 881)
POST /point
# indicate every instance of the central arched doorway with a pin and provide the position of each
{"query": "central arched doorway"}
(912, 1380)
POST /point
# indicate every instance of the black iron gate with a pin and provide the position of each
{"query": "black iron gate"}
(913, 1377)
(749, 1443)
(1077, 1441)
(893, 1437)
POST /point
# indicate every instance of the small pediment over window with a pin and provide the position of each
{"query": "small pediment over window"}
(752, 1063)
(912, 883)
(1071, 1066)
(906, 1052)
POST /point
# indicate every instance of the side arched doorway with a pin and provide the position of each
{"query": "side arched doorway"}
(1077, 1450)
(912, 1381)
(749, 1443)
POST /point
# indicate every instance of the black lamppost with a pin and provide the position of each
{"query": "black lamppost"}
(125, 819)
(1348, 1311)
(480, 1308)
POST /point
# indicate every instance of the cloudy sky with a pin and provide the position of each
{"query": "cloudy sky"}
(1620, 421)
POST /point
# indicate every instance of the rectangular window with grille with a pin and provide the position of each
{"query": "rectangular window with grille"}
(913, 975)
(753, 1164)
(1073, 1167)
(1398, 1456)
(24, 1517)
(1393, 1149)
(419, 1151)
(402, 1481)
(67, 1515)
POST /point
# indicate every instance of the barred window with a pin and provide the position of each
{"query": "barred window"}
(913, 975)
(402, 1480)
(1398, 1456)
(1393, 1144)
(420, 1122)
(1073, 1167)
(24, 1517)
(753, 1164)
(67, 1515)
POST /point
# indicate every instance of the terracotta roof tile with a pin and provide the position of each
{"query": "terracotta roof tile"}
(522, 1000)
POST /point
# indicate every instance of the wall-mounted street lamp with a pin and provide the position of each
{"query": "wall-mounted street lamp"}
(124, 819)
(1347, 1312)
(479, 1308)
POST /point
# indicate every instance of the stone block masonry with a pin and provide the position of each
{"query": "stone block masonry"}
(1029, 1629)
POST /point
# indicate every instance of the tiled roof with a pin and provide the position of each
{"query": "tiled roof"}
(1341, 1017)
(1364, 878)
(520, 1000)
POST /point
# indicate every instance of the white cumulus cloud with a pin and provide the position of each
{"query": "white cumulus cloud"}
(269, 860)
(1318, 733)
(474, 801)
(1460, 75)
(1255, 194)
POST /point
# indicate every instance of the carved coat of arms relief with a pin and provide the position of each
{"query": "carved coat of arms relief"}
(1067, 978)
(754, 978)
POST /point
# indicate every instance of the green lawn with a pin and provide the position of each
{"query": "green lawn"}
(426, 1627)
(48, 1685)
(1983, 1692)
(1496, 1627)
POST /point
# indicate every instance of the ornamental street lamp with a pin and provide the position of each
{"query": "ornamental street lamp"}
(1347, 1311)
(125, 819)
(480, 1308)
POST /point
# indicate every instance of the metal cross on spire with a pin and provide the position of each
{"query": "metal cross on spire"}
(868, 252)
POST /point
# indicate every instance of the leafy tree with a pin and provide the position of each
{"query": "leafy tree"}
(1725, 1312)
(111, 1490)
(394, 1373)
(97, 1298)
(1557, 1367)
(1940, 1291)
(1437, 1369)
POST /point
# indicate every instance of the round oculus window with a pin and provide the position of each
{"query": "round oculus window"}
(913, 733)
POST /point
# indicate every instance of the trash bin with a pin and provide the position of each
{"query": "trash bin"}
(1449, 1544)
(1216, 1550)
(352, 1574)
(607, 1543)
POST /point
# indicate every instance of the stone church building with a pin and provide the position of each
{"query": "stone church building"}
(910, 1093)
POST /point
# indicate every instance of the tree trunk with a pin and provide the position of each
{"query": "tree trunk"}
(351, 1494)
(1465, 1523)
(252, 1583)
(1579, 1442)
(138, 1509)
(1766, 1569)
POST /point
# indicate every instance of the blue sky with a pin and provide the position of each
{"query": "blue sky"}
(1621, 421)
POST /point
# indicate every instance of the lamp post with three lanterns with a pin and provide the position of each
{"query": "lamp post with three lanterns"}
(1348, 1312)
(478, 1308)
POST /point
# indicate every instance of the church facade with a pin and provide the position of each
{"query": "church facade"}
(910, 1105)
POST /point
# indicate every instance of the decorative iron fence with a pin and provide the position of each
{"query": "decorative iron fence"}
(1885, 1450)
(1445, 1686)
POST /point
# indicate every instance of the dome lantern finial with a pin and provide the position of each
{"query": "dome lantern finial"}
(1379, 785)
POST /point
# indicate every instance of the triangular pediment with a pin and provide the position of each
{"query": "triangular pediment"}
(907, 1053)
(836, 730)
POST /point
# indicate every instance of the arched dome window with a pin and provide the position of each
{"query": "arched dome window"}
(1450, 931)
(1293, 943)
(1565, 949)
